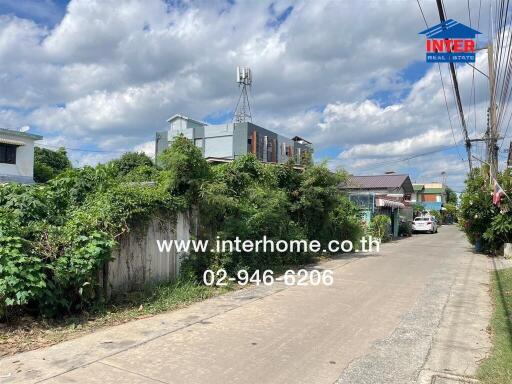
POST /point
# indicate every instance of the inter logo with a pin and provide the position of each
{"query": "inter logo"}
(450, 42)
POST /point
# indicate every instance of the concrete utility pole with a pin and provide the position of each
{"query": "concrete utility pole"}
(492, 131)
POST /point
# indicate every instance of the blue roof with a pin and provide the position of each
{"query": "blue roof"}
(450, 29)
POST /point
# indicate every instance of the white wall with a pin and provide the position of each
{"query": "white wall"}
(24, 158)
(218, 140)
(179, 126)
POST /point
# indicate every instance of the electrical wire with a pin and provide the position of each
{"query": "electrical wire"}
(442, 83)
(378, 165)
(79, 149)
(448, 110)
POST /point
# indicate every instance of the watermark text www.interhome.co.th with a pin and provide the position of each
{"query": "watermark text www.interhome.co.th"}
(264, 245)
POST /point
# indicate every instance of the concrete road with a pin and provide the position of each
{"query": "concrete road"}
(417, 309)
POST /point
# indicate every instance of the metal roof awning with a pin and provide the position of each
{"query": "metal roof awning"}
(388, 203)
(11, 141)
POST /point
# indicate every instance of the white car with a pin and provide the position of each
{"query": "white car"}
(424, 224)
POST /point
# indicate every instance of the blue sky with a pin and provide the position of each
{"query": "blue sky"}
(44, 12)
(105, 75)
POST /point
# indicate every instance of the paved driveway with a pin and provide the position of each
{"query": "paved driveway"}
(418, 308)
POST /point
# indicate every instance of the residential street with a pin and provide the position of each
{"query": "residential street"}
(417, 309)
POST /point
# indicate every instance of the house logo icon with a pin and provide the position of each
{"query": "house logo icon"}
(450, 42)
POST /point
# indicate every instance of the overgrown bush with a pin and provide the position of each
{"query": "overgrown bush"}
(21, 274)
(449, 215)
(380, 227)
(54, 238)
(437, 215)
(187, 169)
(130, 161)
(479, 218)
(405, 228)
(249, 199)
(49, 164)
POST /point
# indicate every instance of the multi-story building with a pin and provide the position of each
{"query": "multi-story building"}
(17, 156)
(431, 195)
(225, 142)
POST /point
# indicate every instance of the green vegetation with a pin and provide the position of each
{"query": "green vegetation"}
(497, 368)
(481, 220)
(55, 237)
(130, 161)
(405, 228)
(450, 213)
(451, 196)
(249, 199)
(380, 227)
(437, 215)
(49, 164)
(417, 209)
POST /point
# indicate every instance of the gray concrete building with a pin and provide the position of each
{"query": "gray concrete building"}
(225, 142)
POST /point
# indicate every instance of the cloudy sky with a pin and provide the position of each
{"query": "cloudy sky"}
(100, 77)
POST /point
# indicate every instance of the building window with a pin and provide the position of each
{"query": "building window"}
(270, 150)
(7, 153)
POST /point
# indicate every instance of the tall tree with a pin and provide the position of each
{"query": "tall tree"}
(451, 196)
(48, 163)
(130, 161)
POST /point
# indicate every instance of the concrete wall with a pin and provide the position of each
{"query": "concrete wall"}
(137, 260)
(180, 126)
(240, 140)
(218, 140)
(24, 166)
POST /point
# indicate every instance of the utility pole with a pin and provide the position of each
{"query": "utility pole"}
(467, 141)
(492, 132)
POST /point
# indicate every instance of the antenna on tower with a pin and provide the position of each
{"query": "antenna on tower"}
(243, 108)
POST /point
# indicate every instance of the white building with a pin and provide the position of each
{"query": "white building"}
(17, 156)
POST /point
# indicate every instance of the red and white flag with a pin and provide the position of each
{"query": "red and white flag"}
(497, 194)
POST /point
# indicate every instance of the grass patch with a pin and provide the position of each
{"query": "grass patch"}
(497, 368)
(26, 333)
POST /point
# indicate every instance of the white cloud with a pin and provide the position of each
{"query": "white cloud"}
(430, 140)
(148, 148)
(109, 73)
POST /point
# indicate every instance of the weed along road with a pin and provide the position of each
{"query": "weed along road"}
(417, 309)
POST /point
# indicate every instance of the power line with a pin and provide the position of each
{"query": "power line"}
(378, 165)
(440, 8)
(422, 14)
(442, 84)
(448, 110)
(79, 149)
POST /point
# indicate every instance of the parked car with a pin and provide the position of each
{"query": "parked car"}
(424, 224)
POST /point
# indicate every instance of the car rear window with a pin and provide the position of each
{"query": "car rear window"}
(421, 219)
